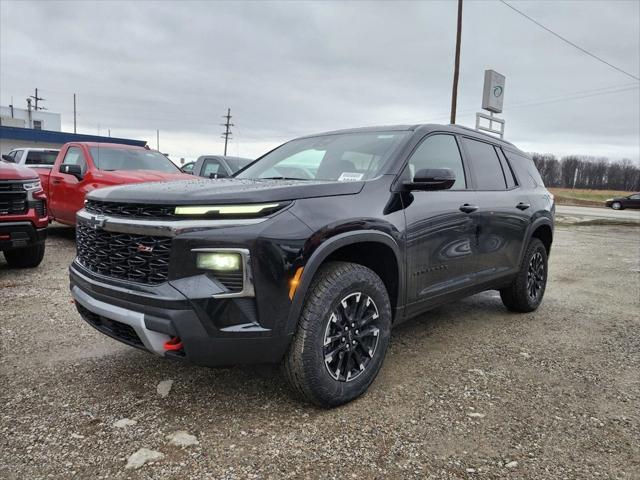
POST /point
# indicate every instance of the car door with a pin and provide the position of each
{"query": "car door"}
(440, 229)
(65, 189)
(503, 213)
(632, 201)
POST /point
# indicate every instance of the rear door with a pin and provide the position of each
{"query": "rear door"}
(503, 210)
(65, 189)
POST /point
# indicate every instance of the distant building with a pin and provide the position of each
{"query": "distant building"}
(15, 137)
(35, 119)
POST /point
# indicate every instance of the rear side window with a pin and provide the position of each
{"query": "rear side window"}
(526, 169)
(486, 165)
(41, 158)
(439, 151)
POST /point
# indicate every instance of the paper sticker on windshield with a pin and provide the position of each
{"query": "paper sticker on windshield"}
(350, 177)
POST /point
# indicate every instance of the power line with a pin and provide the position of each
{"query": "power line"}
(593, 55)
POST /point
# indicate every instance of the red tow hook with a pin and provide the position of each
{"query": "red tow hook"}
(173, 345)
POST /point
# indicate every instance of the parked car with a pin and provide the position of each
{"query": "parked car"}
(84, 166)
(314, 273)
(620, 203)
(23, 216)
(215, 166)
(32, 157)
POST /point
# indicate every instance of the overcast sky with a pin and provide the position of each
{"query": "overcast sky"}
(293, 68)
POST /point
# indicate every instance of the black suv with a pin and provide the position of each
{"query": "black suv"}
(312, 252)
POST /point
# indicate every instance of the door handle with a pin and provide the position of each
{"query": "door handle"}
(466, 208)
(56, 182)
(522, 206)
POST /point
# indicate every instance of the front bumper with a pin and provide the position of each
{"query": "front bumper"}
(213, 331)
(20, 233)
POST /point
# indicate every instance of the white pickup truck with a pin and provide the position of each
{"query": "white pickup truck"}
(32, 157)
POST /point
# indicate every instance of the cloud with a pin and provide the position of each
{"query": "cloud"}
(293, 68)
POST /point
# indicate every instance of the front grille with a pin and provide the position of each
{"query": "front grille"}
(139, 210)
(122, 255)
(118, 330)
(13, 198)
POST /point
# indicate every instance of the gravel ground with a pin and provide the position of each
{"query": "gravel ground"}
(467, 391)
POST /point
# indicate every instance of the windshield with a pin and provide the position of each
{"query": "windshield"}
(47, 157)
(131, 159)
(339, 157)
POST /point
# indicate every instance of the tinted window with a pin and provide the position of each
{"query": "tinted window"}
(634, 197)
(485, 164)
(74, 156)
(131, 159)
(506, 168)
(439, 151)
(341, 156)
(525, 168)
(41, 158)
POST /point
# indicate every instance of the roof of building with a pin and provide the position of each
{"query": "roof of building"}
(49, 136)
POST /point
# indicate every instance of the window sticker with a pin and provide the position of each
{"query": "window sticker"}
(350, 177)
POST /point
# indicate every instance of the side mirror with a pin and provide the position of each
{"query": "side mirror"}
(8, 158)
(218, 175)
(432, 179)
(75, 170)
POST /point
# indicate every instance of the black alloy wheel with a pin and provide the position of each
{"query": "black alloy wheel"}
(351, 337)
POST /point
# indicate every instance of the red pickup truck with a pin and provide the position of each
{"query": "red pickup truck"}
(23, 216)
(81, 167)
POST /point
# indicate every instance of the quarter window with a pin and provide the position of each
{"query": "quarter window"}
(486, 165)
(439, 151)
(74, 156)
(506, 168)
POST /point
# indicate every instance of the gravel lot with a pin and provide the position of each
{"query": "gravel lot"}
(467, 391)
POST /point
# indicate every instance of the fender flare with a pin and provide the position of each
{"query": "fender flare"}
(538, 222)
(327, 248)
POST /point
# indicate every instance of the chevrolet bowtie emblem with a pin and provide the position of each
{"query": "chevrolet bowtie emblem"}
(97, 222)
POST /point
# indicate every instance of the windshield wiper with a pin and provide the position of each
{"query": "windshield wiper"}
(283, 178)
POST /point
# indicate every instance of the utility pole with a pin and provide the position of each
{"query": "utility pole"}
(29, 110)
(157, 139)
(74, 113)
(36, 98)
(456, 69)
(227, 133)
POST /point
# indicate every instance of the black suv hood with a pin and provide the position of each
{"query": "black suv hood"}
(223, 191)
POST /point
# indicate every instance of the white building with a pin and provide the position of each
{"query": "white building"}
(36, 119)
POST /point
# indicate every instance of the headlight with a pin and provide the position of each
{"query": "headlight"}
(33, 185)
(219, 261)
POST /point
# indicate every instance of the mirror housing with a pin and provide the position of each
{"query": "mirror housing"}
(75, 170)
(432, 179)
(8, 158)
(218, 175)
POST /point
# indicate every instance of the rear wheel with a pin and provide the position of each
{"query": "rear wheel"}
(25, 257)
(526, 291)
(342, 336)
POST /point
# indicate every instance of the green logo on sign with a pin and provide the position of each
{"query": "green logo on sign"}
(497, 91)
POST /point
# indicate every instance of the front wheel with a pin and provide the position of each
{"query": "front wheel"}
(616, 206)
(25, 257)
(342, 335)
(526, 291)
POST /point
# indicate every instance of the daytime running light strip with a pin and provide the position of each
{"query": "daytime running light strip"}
(224, 209)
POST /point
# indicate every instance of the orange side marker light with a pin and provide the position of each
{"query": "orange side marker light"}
(294, 282)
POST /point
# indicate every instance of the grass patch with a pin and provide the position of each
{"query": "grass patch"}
(591, 198)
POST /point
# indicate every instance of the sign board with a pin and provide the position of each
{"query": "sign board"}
(493, 92)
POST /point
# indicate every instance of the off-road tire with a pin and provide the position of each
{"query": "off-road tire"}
(25, 257)
(517, 296)
(304, 364)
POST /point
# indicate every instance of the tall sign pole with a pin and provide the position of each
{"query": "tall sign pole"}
(456, 68)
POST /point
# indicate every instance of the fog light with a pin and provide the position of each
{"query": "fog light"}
(221, 261)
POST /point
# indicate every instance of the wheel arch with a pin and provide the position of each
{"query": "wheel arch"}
(362, 247)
